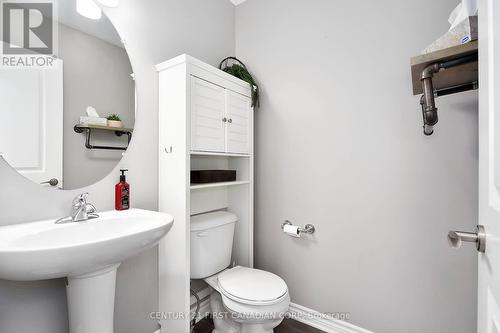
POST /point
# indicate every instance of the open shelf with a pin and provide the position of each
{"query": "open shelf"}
(451, 77)
(207, 153)
(105, 128)
(220, 184)
(87, 129)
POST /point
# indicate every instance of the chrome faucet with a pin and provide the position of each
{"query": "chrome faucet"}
(81, 210)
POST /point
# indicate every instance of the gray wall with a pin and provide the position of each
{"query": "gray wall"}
(154, 31)
(96, 73)
(339, 144)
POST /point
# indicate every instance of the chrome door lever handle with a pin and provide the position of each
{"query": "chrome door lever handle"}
(456, 238)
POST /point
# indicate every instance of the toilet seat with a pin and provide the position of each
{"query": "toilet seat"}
(252, 286)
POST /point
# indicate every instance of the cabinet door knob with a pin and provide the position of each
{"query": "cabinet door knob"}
(224, 119)
(230, 120)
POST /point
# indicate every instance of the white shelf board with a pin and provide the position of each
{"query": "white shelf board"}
(220, 184)
(206, 153)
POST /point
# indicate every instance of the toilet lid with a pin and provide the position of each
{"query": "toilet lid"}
(252, 286)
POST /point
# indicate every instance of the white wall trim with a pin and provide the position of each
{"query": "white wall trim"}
(315, 319)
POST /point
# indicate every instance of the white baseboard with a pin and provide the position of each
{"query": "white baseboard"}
(305, 315)
(328, 324)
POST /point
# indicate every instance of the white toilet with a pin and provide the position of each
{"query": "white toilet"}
(245, 300)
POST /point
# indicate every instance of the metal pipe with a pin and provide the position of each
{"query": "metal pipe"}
(456, 89)
(428, 129)
(427, 101)
(458, 61)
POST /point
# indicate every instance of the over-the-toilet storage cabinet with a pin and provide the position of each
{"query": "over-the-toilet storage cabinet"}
(205, 122)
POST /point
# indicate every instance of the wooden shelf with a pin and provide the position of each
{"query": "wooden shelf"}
(465, 73)
(106, 128)
(87, 129)
(221, 184)
(206, 153)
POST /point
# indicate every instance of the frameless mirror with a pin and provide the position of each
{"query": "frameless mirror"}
(67, 114)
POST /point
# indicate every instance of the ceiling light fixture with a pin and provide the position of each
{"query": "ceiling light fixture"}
(109, 3)
(89, 9)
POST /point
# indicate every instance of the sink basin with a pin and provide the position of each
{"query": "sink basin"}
(87, 253)
(44, 250)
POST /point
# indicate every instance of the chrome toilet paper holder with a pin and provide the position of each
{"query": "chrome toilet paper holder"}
(308, 229)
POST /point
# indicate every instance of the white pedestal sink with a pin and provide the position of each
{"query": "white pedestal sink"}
(87, 253)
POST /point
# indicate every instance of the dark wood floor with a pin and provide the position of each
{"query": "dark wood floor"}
(287, 326)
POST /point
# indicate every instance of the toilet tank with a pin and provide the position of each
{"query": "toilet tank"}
(211, 243)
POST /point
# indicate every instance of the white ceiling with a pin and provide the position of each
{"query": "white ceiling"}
(237, 2)
(102, 28)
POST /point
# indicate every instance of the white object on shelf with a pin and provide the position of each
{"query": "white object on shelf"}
(463, 27)
(462, 11)
(465, 32)
(93, 121)
(92, 112)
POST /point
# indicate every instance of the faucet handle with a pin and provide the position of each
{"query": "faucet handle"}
(80, 199)
(80, 210)
(90, 208)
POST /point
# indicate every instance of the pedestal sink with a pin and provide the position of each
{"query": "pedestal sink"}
(86, 253)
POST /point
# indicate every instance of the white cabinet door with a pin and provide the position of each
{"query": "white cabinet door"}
(238, 123)
(31, 129)
(207, 116)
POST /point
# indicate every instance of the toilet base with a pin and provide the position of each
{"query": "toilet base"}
(259, 328)
(224, 322)
(222, 318)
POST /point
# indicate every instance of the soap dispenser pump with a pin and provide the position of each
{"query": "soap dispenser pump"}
(122, 193)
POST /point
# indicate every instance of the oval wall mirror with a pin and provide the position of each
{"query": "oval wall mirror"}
(66, 125)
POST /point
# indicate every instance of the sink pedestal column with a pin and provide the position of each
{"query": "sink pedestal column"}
(91, 301)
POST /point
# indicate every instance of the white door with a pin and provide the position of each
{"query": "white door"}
(489, 166)
(31, 122)
(238, 109)
(207, 116)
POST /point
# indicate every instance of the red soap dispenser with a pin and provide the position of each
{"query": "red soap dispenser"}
(122, 193)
